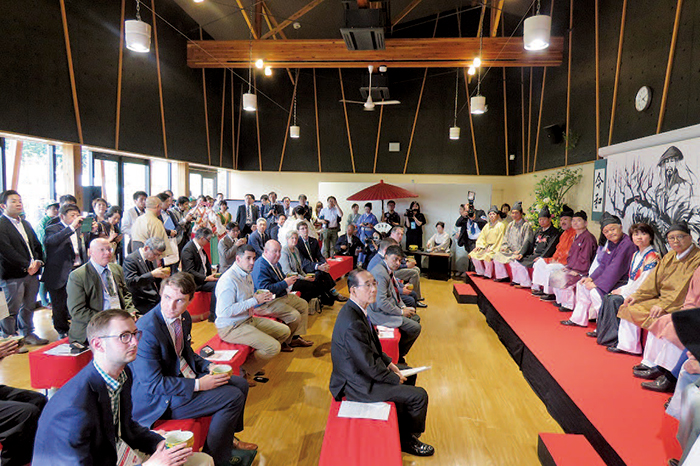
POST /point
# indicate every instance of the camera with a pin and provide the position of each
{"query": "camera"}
(409, 213)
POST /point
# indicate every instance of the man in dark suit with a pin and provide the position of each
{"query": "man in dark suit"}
(228, 245)
(196, 262)
(315, 263)
(171, 381)
(274, 230)
(77, 426)
(349, 244)
(143, 276)
(389, 310)
(362, 372)
(21, 259)
(94, 287)
(65, 252)
(259, 237)
(247, 215)
(409, 298)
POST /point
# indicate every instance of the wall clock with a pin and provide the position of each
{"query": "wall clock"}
(643, 98)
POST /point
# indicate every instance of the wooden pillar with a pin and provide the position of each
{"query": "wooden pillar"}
(14, 158)
(181, 183)
(73, 170)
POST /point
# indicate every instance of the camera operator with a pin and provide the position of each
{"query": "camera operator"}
(471, 227)
(414, 222)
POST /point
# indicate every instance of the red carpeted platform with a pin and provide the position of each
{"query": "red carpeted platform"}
(581, 382)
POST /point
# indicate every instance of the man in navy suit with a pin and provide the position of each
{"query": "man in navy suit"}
(89, 418)
(259, 237)
(21, 259)
(65, 252)
(315, 263)
(196, 262)
(363, 372)
(290, 309)
(247, 215)
(142, 276)
(171, 381)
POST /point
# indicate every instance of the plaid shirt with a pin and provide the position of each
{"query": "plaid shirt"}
(114, 388)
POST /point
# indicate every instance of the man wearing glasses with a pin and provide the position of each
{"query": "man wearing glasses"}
(362, 372)
(88, 421)
(663, 292)
(171, 381)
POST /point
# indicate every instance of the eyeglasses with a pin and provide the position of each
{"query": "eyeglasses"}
(125, 337)
(368, 285)
(676, 238)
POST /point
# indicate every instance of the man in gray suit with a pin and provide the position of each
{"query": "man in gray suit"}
(389, 310)
(94, 287)
(228, 245)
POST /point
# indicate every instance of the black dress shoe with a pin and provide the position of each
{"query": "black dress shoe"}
(340, 298)
(640, 367)
(413, 446)
(661, 384)
(673, 462)
(565, 309)
(501, 280)
(615, 349)
(420, 299)
(548, 297)
(593, 334)
(648, 374)
(421, 305)
(570, 323)
(537, 293)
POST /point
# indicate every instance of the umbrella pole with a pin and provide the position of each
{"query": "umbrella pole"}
(382, 211)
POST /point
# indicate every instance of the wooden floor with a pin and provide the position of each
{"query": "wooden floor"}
(482, 412)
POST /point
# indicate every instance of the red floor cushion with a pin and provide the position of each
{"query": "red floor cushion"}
(199, 427)
(216, 343)
(339, 266)
(391, 345)
(49, 371)
(199, 306)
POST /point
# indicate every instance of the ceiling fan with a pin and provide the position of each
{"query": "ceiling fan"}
(369, 104)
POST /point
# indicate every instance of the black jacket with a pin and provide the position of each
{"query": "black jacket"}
(60, 255)
(192, 263)
(142, 285)
(14, 253)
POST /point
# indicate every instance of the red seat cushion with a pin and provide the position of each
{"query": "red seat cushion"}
(199, 306)
(48, 371)
(339, 266)
(199, 427)
(391, 346)
(216, 343)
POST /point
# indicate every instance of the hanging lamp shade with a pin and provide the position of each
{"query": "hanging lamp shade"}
(478, 104)
(250, 102)
(454, 132)
(294, 131)
(137, 35)
(537, 32)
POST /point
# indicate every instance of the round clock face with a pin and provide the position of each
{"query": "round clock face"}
(643, 98)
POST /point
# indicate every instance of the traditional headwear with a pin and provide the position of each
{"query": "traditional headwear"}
(581, 214)
(672, 153)
(494, 209)
(608, 219)
(545, 212)
(566, 211)
(678, 227)
(518, 206)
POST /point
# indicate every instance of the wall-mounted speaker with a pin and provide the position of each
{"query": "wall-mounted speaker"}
(555, 133)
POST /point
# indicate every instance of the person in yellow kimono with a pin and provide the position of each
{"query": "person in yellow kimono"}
(488, 244)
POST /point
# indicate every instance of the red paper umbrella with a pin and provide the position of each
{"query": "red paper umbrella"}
(381, 191)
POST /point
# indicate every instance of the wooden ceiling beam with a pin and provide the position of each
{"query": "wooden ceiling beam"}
(405, 12)
(301, 12)
(399, 53)
(247, 19)
(496, 16)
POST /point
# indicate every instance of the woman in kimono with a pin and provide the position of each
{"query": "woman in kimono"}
(440, 241)
(366, 223)
(488, 244)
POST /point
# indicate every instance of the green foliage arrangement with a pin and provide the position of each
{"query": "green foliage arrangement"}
(550, 191)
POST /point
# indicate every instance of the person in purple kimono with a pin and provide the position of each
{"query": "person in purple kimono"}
(578, 262)
(611, 272)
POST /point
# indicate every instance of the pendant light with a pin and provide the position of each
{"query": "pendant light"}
(536, 31)
(294, 130)
(478, 102)
(137, 33)
(454, 129)
(250, 100)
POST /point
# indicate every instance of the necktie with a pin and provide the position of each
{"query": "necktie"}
(248, 215)
(177, 329)
(396, 287)
(279, 274)
(472, 228)
(107, 274)
(306, 245)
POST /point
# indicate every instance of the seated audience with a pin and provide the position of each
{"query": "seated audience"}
(277, 223)
(542, 246)
(95, 287)
(294, 221)
(315, 262)
(407, 295)
(611, 272)
(543, 267)
(349, 244)
(643, 262)
(235, 322)
(65, 252)
(408, 271)
(89, 419)
(488, 244)
(330, 218)
(289, 308)
(196, 262)
(171, 381)
(247, 215)
(292, 263)
(362, 372)
(143, 274)
(663, 292)
(578, 263)
(258, 238)
(440, 241)
(389, 310)
(517, 242)
(228, 245)
(19, 415)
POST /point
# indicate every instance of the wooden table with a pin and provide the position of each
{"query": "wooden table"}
(439, 264)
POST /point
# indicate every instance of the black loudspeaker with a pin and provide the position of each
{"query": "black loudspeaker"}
(555, 133)
(90, 193)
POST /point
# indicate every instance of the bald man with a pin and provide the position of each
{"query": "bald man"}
(150, 225)
(94, 287)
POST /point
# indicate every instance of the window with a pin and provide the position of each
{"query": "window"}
(107, 176)
(222, 183)
(87, 174)
(34, 183)
(135, 178)
(160, 176)
(195, 184)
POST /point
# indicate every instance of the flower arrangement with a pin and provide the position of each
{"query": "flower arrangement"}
(550, 192)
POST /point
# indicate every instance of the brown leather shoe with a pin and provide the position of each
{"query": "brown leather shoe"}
(300, 343)
(286, 348)
(241, 445)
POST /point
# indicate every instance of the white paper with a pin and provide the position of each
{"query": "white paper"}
(355, 410)
(4, 310)
(414, 370)
(62, 350)
(222, 355)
